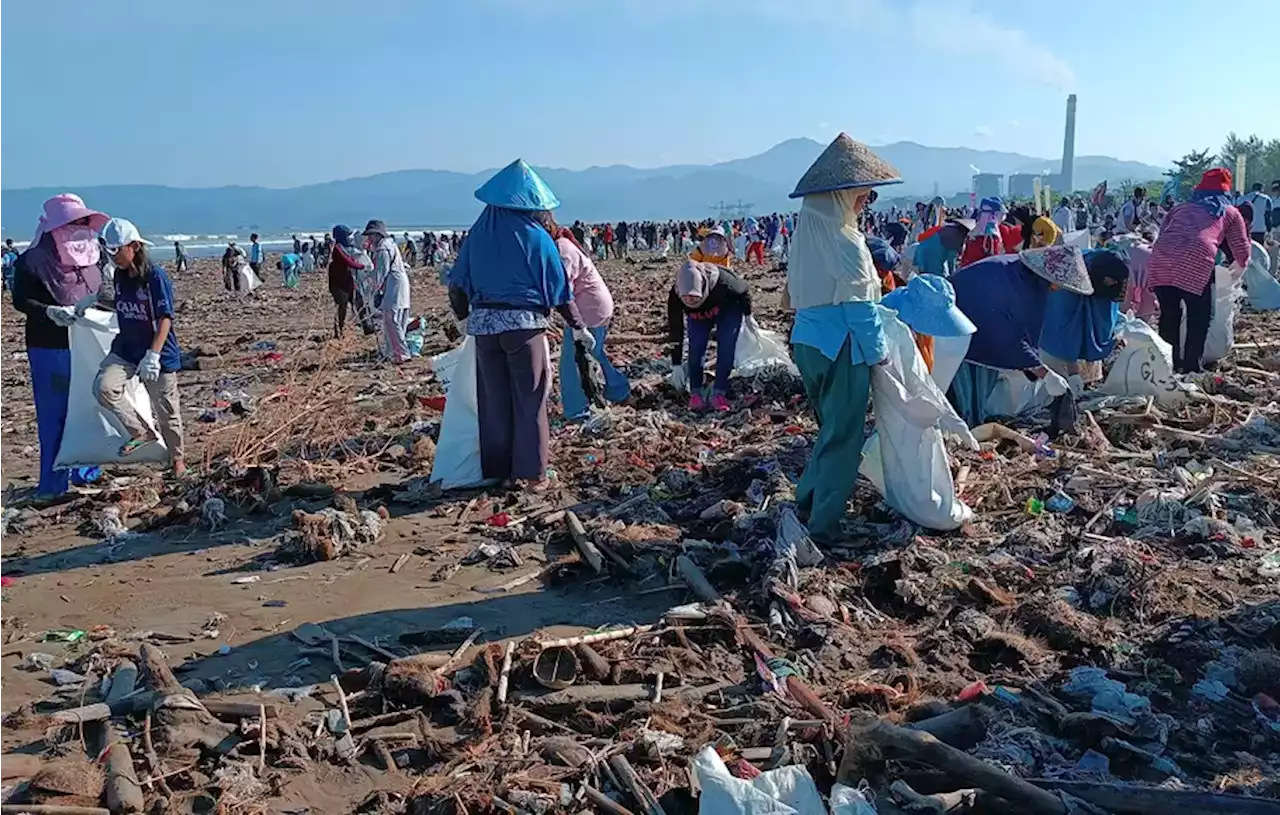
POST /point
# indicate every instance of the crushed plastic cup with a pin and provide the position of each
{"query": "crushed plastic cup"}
(1034, 506)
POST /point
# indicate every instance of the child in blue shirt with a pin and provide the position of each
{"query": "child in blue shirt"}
(146, 345)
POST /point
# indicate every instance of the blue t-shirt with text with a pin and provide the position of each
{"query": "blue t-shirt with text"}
(140, 305)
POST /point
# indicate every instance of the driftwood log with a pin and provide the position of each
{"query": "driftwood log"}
(606, 694)
(182, 726)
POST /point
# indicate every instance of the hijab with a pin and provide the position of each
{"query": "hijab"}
(696, 279)
(68, 280)
(1046, 230)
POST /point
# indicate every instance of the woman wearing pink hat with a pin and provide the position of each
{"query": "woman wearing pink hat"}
(56, 272)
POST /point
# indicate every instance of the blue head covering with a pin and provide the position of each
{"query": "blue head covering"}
(517, 186)
(928, 305)
(882, 254)
(1214, 201)
(1078, 326)
(510, 260)
(342, 235)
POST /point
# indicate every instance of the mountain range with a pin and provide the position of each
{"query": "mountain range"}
(619, 192)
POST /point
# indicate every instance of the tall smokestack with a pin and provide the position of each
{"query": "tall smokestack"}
(1069, 147)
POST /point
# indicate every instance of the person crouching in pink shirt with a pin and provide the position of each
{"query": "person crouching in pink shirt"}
(595, 303)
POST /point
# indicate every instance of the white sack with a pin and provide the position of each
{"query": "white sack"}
(1227, 291)
(740, 247)
(1015, 394)
(948, 354)
(758, 348)
(906, 458)
(248, 280)
(1079, 238)
(786, 790)
(1263, 289)
(91, 435)
(1144, 367)
(457, 462)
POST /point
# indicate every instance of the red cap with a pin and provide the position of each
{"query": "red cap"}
(1218, 180)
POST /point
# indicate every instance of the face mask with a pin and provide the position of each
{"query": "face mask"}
(77, 245)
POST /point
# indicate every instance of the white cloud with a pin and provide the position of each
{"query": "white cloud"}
(1013, 123)
(957, 29)
(983, 131)
(950, 28)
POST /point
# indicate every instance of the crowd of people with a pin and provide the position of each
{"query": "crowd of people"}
(887, 305)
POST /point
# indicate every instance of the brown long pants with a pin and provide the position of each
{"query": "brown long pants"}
(513, 381)
(112, 379)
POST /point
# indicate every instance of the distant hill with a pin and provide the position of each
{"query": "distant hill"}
(422, 197)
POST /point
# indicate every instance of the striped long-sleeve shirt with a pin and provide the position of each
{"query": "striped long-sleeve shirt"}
(1185, 253)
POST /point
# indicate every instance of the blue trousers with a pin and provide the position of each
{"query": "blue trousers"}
(727, 323)
(572, 398)
(51, 385)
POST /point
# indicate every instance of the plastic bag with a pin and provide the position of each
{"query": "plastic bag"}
(760, 348)
(1144, 367)
(91, 435)
(457, 462)
(1262, 288)
(788, 790)
(906, 458)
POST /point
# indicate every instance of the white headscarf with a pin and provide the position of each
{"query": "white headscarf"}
(830, 262)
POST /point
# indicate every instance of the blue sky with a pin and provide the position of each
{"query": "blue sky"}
(286, 92)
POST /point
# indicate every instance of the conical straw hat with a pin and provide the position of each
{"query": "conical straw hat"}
(518, 186)
(846, 163)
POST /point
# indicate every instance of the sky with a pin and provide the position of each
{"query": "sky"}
(287, 92)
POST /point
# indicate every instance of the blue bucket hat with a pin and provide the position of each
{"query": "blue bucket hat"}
(517, 186)
(928, 305)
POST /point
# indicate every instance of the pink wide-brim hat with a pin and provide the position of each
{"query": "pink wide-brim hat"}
(64, 208)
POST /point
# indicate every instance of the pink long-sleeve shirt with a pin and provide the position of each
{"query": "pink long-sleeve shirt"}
(591, 295)
(1185, 253)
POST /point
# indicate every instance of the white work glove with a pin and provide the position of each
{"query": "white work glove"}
(584, 336)
(149, 368)
(1055, 384)
(85, 303)
(64, 316)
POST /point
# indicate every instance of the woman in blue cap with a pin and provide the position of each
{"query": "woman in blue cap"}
(507, 280)
(927, 305)
(833, 285)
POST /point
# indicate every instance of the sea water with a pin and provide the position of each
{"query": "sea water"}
(212, 245)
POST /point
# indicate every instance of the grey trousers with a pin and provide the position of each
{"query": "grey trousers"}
(109, 387)
(513, 381)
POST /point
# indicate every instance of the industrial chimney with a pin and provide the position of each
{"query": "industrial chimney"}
(1069, 147)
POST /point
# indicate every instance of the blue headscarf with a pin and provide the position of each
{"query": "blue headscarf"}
(1078, 326)
(342, 235)
(510, 260)
(1212, 200)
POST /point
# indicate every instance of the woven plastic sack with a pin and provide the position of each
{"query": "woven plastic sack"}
(91, 435)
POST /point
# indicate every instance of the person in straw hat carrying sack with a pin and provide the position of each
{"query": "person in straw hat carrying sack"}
(833, 286)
